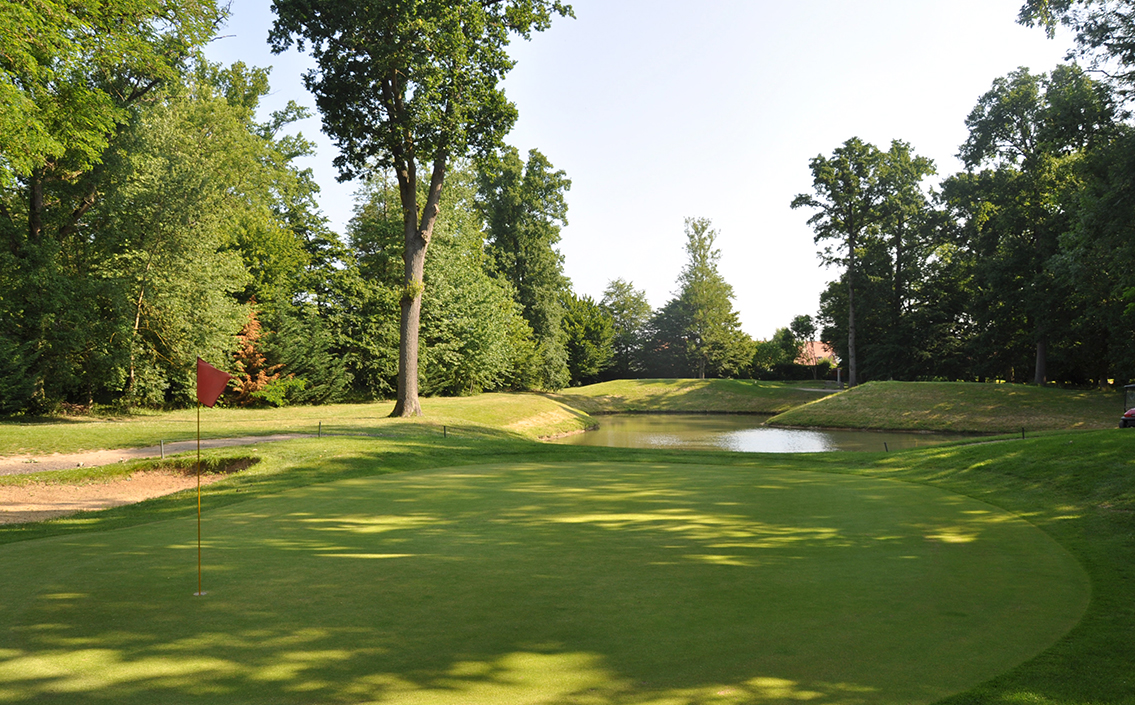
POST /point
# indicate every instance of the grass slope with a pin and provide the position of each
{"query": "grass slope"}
(526, 415)
(958, 406)
(732, 396)
(1079, 488)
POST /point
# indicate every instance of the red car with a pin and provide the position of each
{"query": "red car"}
(1128, 418)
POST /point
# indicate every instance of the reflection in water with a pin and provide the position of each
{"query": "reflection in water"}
(742, 433)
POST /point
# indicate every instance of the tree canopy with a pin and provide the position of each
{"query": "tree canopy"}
(404, 84)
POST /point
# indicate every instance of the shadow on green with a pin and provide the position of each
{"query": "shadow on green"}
(541, 582)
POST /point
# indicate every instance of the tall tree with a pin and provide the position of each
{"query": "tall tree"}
(698, 332)
(473, 335)
(1105, 32)
(847, 199)
(906, 226)
(524, 208)
(630, 314)
(803, 330)
(1030, 129)
(590, 333)
(73, 75)
(403, 84)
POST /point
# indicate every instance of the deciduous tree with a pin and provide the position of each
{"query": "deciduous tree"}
(847, 201)
(524, 208)
(407, 84)
(630, 313)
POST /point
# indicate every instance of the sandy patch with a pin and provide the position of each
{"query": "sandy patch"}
(546, 418)
(41, 501)
(23, 464)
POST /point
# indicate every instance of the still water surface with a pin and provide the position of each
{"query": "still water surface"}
(742, 433)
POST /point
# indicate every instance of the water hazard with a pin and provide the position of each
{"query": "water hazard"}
(742, 433)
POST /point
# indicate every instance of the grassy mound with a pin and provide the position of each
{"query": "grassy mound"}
(730, 396)
(958, 406)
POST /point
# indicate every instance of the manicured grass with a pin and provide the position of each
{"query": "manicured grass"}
(734, 396)
(545, 582)
(1077, 487)
(527, 415)
(958, 406)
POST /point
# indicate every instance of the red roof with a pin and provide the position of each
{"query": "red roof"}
(813, 351)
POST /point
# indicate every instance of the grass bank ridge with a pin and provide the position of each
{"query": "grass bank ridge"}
(960, 407)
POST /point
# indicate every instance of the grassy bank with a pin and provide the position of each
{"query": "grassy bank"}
(729, 396)
(525, 415)
(1079, 488)
(962, 407)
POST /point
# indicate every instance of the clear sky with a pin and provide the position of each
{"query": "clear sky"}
(663, 109)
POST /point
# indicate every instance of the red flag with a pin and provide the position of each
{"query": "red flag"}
(210, 382)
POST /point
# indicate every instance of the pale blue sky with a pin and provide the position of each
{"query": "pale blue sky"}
(661, 109)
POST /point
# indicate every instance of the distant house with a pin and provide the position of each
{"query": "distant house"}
(813, 351)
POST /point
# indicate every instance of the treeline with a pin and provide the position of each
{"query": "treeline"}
(1020, 268)
(147, 217)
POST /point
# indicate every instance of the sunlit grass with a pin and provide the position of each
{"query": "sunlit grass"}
(525, 415)
(691, 395)
(543, 582)
(964, 407)
(1078, 487)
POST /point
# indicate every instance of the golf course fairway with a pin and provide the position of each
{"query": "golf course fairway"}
(588, 583)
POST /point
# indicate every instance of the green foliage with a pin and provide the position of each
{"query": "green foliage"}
(474, 337)
(1033, 133)
(630, 313)
(474, 332)
(523, 207)
(1104, 29)
(590, 335)
(776, 357)
(70, 71)
(278, 391)
(17, 384)
(406, 84)
(303, 349)
(698, 333)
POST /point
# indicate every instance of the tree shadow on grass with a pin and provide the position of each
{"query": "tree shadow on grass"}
(531, 582)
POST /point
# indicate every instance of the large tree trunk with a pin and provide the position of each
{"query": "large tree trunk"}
(408, 332)
(852, 365)
(414, 256)
(35, 205)
(1041, 375)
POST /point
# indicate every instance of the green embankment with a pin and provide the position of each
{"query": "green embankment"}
(729, 396)
(525, 415)
(962, 407)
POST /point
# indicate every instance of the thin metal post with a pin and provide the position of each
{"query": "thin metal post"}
(199, 592)
(163, 444)
(320, 433)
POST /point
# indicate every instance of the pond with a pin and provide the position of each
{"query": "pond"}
(743, 433)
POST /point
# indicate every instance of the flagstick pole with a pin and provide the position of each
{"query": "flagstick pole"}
(199, 591)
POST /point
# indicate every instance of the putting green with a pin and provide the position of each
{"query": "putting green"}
(535, 583)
